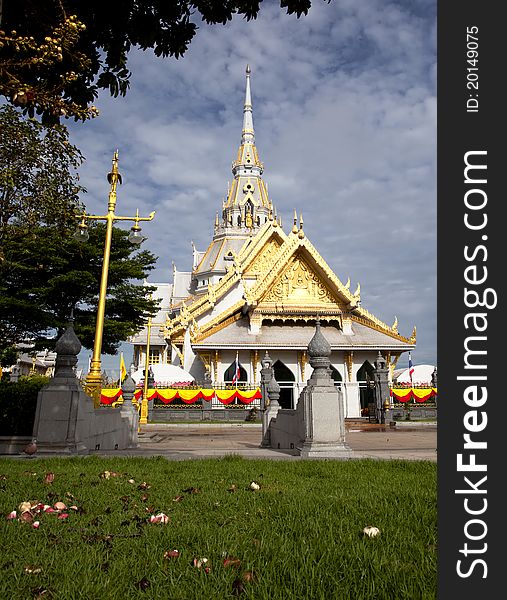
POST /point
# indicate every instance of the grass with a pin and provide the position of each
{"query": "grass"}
(298, 537)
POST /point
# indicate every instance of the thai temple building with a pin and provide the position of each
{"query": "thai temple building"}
(259, 288)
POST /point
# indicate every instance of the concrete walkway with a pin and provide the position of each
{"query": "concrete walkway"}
(409, 441)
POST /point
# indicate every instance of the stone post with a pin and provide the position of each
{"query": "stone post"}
(130, 412)
(64, 411)
(434, 383)
(320, 406)
(266, 376)
(207, 404)
(382, 396)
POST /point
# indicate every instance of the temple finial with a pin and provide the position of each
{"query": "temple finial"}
(247, 135)
(114, 176)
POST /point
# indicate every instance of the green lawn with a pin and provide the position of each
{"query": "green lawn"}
(298, 537)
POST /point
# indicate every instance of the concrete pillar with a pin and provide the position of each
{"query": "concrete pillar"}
(129, 412)
(382, 396)
(320, 407)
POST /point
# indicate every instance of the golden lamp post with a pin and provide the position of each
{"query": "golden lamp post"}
(93, 383)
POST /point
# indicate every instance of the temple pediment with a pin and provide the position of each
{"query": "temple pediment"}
(299, 284)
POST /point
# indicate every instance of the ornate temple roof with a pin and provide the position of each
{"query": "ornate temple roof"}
(257, 286)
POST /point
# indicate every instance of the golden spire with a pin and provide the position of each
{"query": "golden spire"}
(301, 233)
(295, 226)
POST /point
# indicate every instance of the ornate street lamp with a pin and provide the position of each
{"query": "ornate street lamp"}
(93, 383)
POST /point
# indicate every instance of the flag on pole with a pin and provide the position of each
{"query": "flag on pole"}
(237, 372)
(410, 368)
(123, 369)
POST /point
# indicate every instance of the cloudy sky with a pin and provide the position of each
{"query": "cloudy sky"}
(344, 104)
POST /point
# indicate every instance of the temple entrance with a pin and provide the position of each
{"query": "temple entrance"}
(366, 386)
(285, 380)
(229, 374)
(337, 378)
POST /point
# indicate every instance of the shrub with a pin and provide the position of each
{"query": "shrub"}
(18, 401)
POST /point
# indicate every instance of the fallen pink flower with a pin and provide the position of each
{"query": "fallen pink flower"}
(48, 509)
(171, 553)
(59, 505)
(27, 516)
(63, 515)
(49, 478)
(73, 507)
(12, 515)
(200, 562)
(160, 518)
(36, 524)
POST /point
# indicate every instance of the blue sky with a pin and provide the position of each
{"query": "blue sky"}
(344, 104)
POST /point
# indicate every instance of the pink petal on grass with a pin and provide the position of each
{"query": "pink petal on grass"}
(59, 506)
(171, 553)
(49, 478)
(161, 518)
(63, 516)
(200, 562)
(36, 524)
(27, 517)
(12, 515)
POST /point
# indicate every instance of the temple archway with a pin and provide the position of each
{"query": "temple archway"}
(285, 379)
(336, 376)
(366, 387)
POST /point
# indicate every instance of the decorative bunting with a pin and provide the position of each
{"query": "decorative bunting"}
(417, 394)
(188, 396)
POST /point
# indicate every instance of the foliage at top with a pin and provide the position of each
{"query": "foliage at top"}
(56, 55)
(39, 183)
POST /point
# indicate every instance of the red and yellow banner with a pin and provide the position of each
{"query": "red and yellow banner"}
(405, 394)
(188, 396)
(108, 396)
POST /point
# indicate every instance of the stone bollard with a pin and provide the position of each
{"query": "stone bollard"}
(320, 407)
(130, 412)
(382, 396)
(266, 376)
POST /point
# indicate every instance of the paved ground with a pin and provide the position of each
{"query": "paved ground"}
(181, 442)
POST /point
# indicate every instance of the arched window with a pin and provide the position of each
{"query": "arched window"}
(249, 208)
(285, 379)
(229, 374)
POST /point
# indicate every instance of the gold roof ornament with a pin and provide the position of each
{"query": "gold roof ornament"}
(347, 285)
(301, 233)
(295, 226)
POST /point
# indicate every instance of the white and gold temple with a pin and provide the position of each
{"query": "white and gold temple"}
(257, 288)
